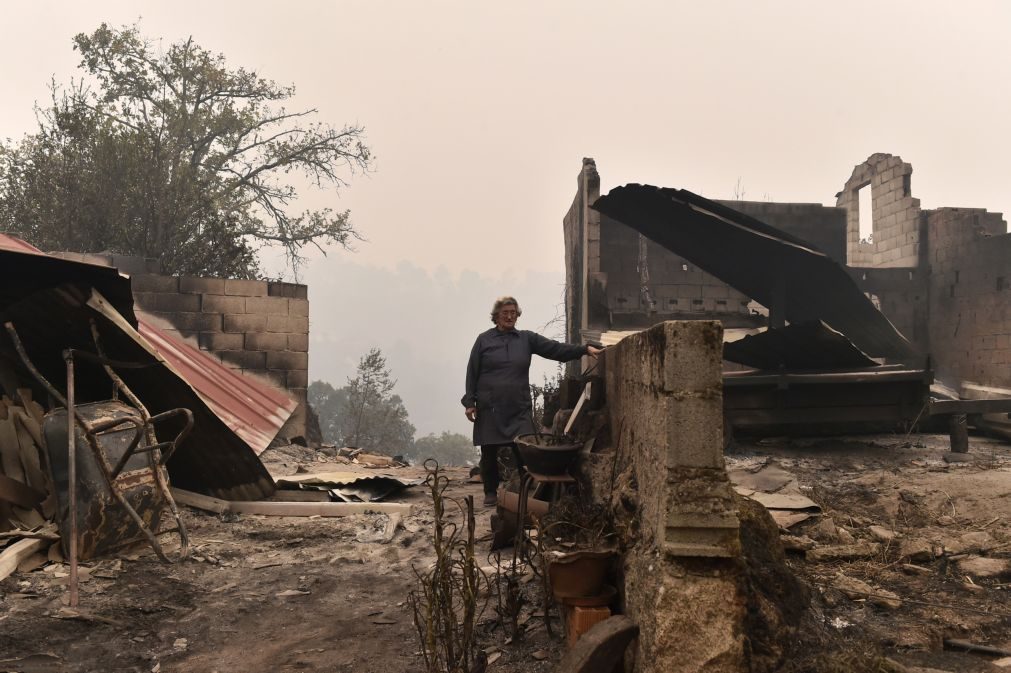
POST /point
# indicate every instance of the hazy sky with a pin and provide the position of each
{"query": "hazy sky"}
(479, 114)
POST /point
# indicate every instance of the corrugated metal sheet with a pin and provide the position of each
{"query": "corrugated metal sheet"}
(759, 261)
(242, 414)
(254, 411)
(805, 346)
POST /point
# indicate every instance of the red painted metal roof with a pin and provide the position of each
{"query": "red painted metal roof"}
(253, 410)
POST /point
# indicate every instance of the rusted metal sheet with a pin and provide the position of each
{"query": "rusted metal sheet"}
(253, 411)
(778, 270)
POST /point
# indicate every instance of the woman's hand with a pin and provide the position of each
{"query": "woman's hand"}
(593, 351)
(471, 414)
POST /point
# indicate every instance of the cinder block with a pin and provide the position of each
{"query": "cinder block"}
(267, 305)
(277, 376)
(288, 360)
(245, 323)
(298, 308)
(266, 341)
(194, 322)
(133, 264)
(289, 290)
(694, 431)
(146, 300)
(298, 342)
(221, 341)
(287, 324)
(153, 283)
(693, 356)
(245, 359)
(178, 303)
(196, 285)
(297, 378)
(217, 303)
(246, 288)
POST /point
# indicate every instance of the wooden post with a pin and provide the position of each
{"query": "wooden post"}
(72, 478)
(959, 431)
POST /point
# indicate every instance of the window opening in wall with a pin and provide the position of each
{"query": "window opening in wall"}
(956, 276)
(865, 214)
(910, 275)
(672, 302)
(1000, 283)
(684, 267)
(906, 187)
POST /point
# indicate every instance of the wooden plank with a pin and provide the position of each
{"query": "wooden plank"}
(993, 406)
(16, 553)
(268, 508)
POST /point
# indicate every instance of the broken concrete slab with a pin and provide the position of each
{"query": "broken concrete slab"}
(983, 567)
(915, 549)
(882, 534)
(844, 552)
(855, 589)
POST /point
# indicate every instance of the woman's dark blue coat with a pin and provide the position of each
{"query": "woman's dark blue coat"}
(498, 381)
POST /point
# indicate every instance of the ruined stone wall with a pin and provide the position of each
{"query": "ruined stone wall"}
(901, 294)
(580, 253)
(896, 215)
(681, 580)
(632, 282)
(257, 327)
(676, 287)
(970, 295)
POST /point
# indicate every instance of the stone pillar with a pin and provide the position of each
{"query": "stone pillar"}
(681, 571)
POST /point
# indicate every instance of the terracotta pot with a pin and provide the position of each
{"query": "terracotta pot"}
(578, 574)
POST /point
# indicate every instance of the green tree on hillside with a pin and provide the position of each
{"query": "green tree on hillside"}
(365, 413)
(170, 153)
(449, 448)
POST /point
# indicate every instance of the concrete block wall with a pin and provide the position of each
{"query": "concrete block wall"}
(896, 214)
(901, 294)
(257, 327)
(681, 572)
(970, 295)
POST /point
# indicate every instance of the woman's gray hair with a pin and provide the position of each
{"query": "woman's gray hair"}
(502, 302)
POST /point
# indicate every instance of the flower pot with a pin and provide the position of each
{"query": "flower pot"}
(578, 574)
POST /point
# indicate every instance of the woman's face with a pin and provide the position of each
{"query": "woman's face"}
(506, 318)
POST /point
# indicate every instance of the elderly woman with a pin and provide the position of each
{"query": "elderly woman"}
(497, 400)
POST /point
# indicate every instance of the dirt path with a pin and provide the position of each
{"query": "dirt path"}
(257, 594)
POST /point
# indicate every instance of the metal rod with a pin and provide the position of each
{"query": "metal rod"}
(72, 477)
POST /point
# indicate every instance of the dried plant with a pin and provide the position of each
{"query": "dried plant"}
(446, 602)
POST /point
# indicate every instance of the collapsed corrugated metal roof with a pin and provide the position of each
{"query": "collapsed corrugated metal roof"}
(254, 411)
(759, 261)
(50, 301)
(803, 346)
